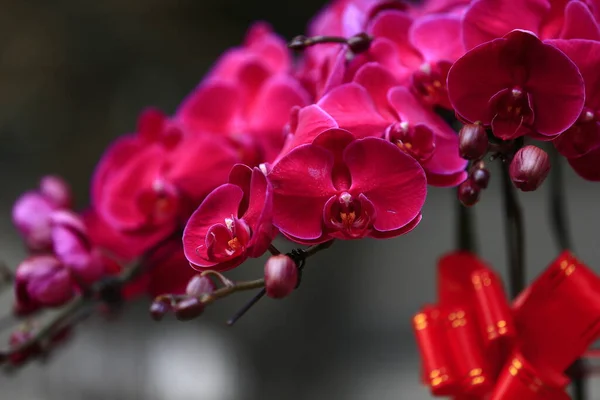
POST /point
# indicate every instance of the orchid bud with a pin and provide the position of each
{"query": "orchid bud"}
(480, 177)
(199, 285)
(56, 190)
(43, 281)
(472, 141)
(189, 308)
(468, 193)
(281, 276)
(529, 168)
(17, 339)
(159, 308)
(31, 216)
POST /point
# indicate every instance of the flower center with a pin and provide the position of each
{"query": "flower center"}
(429, 83)
(159, 203)
(346, 214)
(226, 240)
(513, 115)
(418, 140)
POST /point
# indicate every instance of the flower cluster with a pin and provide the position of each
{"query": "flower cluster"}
(337, 140)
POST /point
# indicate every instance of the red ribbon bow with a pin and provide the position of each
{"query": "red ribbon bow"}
(474, 345)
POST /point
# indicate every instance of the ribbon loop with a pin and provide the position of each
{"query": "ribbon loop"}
(466, 340)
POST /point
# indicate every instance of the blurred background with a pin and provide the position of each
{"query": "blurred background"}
(74, 75)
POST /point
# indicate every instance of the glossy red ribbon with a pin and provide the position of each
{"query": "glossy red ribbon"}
(475, 345)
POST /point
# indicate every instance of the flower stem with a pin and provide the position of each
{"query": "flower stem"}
(465, 238)
(299, 256)
(560, 228)
(515, 235)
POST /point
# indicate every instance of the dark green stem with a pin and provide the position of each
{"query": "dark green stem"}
(515, 235)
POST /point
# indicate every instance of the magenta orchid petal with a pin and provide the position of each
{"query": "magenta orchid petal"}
(336, 71)
(395, 25)
(438, 37)
(508, 81)
(210, 107)
(302, 183)
(55, 189)
(579, 22)
(261, 40)
(241, 175)
(312, 121)
(151, 124)
(221, 204)
(586, 56)
(271, 108)
(411, 110)
(31, 216)
(394, 182)
(117, 202)
(445, 160)
(397, 232)
(353, 109)
(115, 158)
(451, 180)
(199, 164)
(558, 93)
(259, 191)
(486, 20)
(385, 52)
(259, 215)
(377, 80)
(336, 141)
(471, 81)
(587, 166)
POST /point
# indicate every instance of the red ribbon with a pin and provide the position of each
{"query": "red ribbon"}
(474, 345)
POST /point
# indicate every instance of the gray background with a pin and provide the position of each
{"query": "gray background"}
(74, 75)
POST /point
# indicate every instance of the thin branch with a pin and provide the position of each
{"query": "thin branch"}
(47, 332)
(299, 257)
(558, 208)
(515, 237)
(69, 313)
(465, 238)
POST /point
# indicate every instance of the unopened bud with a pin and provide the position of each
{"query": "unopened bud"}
(468, 193)
(43, 281)
(17, 339)
(188, 309)
(56, 190)
(481, 177)
(159, 308)
(529, 168)
(281, 276)
(199, 285)
(360, 43)
(472, 141)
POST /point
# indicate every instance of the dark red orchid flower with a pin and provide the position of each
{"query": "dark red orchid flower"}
(581, 142)
(519, 86)
(247, 97)
(340, 187)
(485, 20)
(233, 222)
(147, 183)
(375, 105)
